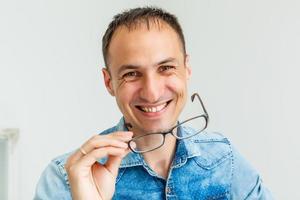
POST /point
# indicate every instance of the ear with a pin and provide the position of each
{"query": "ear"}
(188, 67)
(108, 81)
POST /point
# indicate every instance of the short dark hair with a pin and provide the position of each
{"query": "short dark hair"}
(132, 17)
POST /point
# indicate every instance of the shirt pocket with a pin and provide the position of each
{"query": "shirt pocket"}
(213, 153)
(215, 169)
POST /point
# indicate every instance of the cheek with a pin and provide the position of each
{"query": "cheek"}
(178, 84)
(125, 92)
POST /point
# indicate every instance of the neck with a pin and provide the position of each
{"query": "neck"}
(161, 159)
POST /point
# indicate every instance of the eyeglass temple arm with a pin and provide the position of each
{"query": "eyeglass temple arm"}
(197, 95)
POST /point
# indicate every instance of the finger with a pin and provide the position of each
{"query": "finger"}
(89, 159)
(102, 142)
(116, 139)
(113, 163)
(121, 135)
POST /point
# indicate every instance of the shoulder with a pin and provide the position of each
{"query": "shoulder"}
(246, 183)
(214, 147)
(53, 183)
(57, 167)
(246, 180)
(109, 130)
(60, 161)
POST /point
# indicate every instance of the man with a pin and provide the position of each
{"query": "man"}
(147, 71)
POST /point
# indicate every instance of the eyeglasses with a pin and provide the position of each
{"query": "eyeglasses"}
(189, 128)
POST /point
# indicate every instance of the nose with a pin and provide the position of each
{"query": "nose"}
(152, 88)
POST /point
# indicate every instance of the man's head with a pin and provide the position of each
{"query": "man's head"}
(133, 18)
(146, 68)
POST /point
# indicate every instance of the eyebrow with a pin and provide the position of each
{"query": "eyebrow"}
(167, 60)
(132, 66)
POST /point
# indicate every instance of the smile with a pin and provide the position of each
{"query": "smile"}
(153, 109)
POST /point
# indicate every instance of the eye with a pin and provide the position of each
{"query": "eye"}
(166, 68)
(131, 76)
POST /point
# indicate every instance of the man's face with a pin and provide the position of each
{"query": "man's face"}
(148, 76)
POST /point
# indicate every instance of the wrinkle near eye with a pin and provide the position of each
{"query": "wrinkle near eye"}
(122, 80)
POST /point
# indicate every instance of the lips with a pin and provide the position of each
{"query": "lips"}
(153, 109)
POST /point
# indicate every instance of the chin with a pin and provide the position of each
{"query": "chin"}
(157, 128)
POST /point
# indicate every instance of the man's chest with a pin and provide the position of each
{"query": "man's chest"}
(190, 181)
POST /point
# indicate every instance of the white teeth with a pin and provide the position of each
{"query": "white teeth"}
(154, 109)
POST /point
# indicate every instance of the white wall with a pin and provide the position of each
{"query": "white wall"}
(244, 55)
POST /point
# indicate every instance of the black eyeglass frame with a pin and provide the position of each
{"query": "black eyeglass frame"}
(205, 116)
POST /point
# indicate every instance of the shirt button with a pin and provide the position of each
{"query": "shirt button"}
(168, 190)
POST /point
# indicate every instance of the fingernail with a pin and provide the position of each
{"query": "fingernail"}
(133, 145)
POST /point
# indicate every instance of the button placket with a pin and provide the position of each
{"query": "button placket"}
(168, 190)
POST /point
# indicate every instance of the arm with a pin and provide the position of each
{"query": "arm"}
(52, 184)
(246, 182)
(82, 176)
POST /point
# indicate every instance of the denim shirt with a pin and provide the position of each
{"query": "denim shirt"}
(204, 167)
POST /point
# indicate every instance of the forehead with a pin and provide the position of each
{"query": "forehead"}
(144, 44)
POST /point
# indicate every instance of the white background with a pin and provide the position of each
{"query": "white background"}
(245, 57)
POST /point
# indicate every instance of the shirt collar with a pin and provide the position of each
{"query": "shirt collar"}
(185, 149)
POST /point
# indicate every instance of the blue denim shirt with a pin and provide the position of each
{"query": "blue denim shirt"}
(204, 167)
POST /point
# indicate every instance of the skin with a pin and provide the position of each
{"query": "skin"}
(147, 69)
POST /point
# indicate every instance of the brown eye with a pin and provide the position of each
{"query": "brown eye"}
(166, 68)
(131, 76)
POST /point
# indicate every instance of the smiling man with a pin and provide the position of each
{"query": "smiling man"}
(149, 154)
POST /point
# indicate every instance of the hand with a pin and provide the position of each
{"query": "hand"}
(88, 178)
